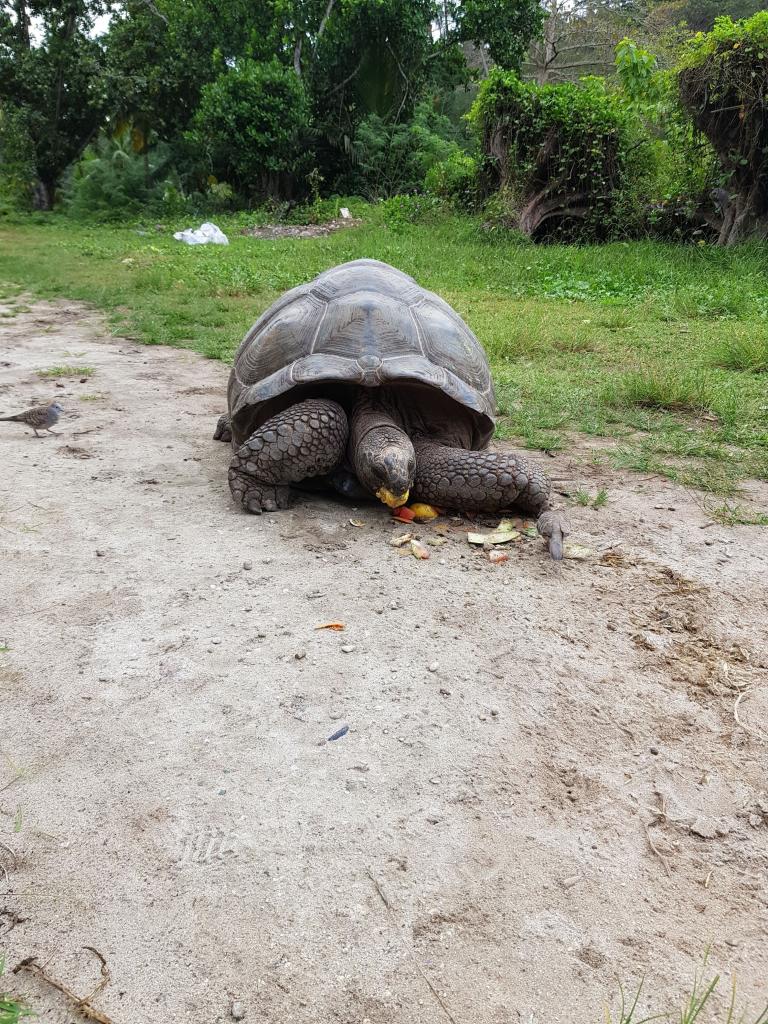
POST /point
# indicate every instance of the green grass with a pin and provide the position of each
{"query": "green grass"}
(694, 1005)
(660, 349)
(66, 371)
(11, 1010)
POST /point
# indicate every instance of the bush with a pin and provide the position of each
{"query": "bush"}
(252, 128)
(672, 197)
(454, 178)
(560, 154)
(399, 211)
(112, 181)
(391, 159)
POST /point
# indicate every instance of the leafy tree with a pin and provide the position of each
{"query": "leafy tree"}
(161, 54)
(723, 84)
(252, 126)
(58, 81)
(505, 27)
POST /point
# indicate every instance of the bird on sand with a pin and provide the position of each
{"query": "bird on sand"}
(40, 417)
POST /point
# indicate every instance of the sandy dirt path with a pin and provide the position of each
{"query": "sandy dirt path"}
(568, 802)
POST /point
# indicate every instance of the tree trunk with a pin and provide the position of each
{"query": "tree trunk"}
(745, 215)
(544, 206)
(297, 57)
(42, 196)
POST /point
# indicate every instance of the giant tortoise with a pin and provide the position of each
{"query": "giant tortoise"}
(372, 385)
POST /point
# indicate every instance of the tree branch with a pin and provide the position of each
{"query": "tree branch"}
(323, 23)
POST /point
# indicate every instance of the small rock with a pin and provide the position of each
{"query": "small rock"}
(494, 712)
(248, 608)
(703, 828)
(300, 655)
(348, 648)
(237, 1010)
(215, 640)
(334, 715)
(650, 641)
(443, 692)
(393, 605)
(654, 750)
(247, 566)
(434, 666)
(100, 553)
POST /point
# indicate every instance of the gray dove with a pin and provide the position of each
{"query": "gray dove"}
(40, 417)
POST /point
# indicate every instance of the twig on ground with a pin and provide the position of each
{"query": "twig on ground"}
(657, 851)
(82, 1004)
(743, 725)
(410, 952)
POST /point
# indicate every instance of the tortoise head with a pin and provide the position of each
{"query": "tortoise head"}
(385, 463)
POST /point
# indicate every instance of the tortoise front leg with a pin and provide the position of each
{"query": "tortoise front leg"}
(223, 431)
(305, 440)
(487, 482)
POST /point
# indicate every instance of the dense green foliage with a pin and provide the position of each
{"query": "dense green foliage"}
(204, 105)
(505, 28)
(113, 181)
(186, 72)
(682, 168)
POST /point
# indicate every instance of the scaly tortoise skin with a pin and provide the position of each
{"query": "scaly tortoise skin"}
(366, 382)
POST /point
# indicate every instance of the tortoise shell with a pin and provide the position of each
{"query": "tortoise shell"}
(361, 324)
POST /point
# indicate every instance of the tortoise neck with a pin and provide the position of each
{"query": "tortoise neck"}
(379, 448)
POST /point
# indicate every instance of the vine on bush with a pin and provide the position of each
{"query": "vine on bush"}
(722, 78)
(559, 153)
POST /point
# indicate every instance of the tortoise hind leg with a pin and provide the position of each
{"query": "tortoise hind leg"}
(487, 482)
(305, 440)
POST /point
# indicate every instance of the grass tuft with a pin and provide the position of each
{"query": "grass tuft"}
(586, 500)
(67, 371)
(742, 352)
(735, 515)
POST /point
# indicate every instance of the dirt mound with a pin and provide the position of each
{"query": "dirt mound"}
(301, 230)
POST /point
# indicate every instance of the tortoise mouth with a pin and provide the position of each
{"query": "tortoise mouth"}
(390, 499)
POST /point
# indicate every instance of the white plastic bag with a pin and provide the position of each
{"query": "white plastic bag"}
(203, 235)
